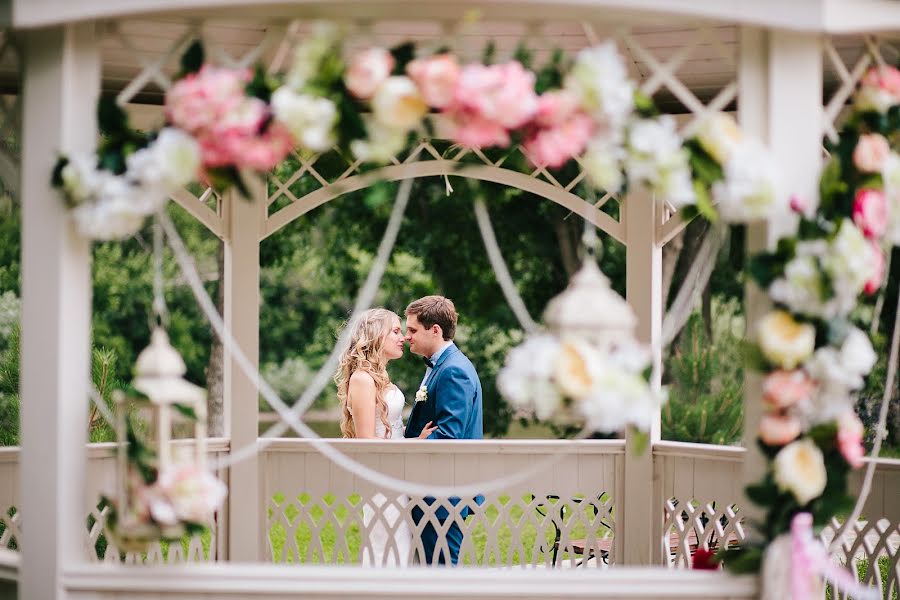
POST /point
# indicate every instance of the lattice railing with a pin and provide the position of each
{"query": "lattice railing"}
(871, 549)
(689, 525)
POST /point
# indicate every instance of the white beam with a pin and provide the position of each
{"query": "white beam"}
(639, 518)
(243, 224)
(61, 85)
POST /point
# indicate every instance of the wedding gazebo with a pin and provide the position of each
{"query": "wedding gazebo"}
(786, 70)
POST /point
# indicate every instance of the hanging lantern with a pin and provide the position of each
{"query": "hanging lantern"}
(164, 487)
(587, 366)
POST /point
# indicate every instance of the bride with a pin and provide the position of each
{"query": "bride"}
(371, 409)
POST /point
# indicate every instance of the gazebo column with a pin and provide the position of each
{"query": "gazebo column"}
(639, 520)
(61, 84)
(779, 102)
(243, 224)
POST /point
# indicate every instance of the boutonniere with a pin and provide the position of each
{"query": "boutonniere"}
(422, 394)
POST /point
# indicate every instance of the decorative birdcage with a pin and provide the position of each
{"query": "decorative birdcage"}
(164, 489)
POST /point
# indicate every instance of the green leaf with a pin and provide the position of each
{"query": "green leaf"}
(185, 411)
(704, 203)
(56, 176)
(259, 87)
(490, 51)
(641, 440)
(644, 105)
(703, 166)
(192, 59)
(523, 55)
(763, 494)
(403, 55)
(111, 119)
(742, 561)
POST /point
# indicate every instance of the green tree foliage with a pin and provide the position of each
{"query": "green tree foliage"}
(705, 378)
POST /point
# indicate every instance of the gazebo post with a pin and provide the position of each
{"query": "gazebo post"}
(780, 102)
(639, 521)
(243, 226)
(61, 84)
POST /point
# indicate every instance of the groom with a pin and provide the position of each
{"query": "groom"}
(449, 397)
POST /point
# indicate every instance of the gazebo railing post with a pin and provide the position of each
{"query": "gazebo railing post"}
(639, 514)
(780, 102)
(60, 89)
(243, 227)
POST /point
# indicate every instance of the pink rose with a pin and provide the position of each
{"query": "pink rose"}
(555, 108)
(554, 146)
(503, 94)
(436, 78)
(367, 71)
(870, 153)
(884, 77)
(778, 430)
(878, 263)
(870, 212)
(783, 389)
(849, 439)
(879, 89)
(474, 131)
(201, 99)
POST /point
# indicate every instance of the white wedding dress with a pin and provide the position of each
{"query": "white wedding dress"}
(385, 537)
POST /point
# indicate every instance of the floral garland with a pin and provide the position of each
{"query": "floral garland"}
(814, 358)
(223, 125)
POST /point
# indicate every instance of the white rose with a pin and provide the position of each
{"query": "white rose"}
(80, 178)
(846, 367)
(783, 341)
(719, 135)
(195, 494)
(574, 368)
(848, 262)
(802, 288)
(383, 143)
(599, 79)
(748, 192)
(398, 103)
(656, 158)
(368, 70)
(619, 399)
(168, 163)
(874, 98)
(525, 379)
(602, 163)
(799, 468)
(310, 120)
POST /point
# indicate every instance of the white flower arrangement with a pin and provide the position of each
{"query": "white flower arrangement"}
(422, 394)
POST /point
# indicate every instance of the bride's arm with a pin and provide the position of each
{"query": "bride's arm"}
(361, 394)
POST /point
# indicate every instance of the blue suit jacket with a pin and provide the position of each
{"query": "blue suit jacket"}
(453, 402)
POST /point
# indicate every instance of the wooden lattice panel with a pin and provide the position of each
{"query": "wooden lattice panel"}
(866, 544)
(11, 532)
(690, 524)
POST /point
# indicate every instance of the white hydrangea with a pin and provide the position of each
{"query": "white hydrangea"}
(849, 264)
(600, 81)
(602, 162)
(171, 161)
(748, 192)
(619, 399)
(657, 159)
(310, 120)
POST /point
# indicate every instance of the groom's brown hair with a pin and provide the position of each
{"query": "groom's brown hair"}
(435, 310)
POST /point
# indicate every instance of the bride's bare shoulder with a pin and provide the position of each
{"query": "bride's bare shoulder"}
(362, 381)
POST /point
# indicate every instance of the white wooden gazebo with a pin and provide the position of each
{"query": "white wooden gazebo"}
(787, 67)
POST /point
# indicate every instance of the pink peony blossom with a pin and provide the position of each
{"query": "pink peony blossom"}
(436, 77)
(879, 89)
(553, 146)
(783, 389)
(870, 212)
(491, 100)
(849, 439)
(367, 71)
(778, 430)
(873, 284)
(555, 108)
(884, 77)
(870, 153)
(201, 99)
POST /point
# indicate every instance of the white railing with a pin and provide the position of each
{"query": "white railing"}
(554, 516)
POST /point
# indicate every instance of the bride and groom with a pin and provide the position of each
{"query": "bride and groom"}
(447, 406)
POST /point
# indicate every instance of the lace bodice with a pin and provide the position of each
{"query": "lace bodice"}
(395, 400)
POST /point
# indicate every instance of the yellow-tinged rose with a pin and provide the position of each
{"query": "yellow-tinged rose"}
(573, 374)
(783, 341)
(799, 468)
(398, 103)
(718, 135)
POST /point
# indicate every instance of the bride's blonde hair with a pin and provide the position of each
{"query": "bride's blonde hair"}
(365, 353)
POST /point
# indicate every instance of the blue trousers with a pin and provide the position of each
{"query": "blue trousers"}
(429, 535)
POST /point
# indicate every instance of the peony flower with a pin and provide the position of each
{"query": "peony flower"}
(783, 389)
(311, 120)
(850, 439)
(799, 468)
(368, 70)
(778, 430)
(600, 81)
(879, 89)
(870, 212)
(719, 135)
(783, 341)
(602, 162)
(871, 151)
(748, 191)
(436, 77)
(554, 146)
(398, 103)
(171, 161)
(491, 100)
(873, 284)
(657, 159)
(201, 100)
(195, 494)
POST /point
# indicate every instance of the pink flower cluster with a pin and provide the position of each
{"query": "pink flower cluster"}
(783, 390)
(233, 129)
(486, 104)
